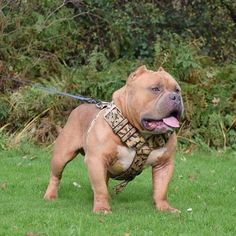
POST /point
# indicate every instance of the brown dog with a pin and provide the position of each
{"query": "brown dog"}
(152, 103)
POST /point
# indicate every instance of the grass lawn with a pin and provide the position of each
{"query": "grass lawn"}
(205, 182)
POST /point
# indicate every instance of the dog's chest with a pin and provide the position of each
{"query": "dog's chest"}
(125, 157)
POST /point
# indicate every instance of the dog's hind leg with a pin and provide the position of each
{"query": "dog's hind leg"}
(65, 149)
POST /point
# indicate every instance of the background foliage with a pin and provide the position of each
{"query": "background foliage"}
(90, 47)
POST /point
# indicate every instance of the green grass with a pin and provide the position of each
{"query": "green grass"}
(204, 182)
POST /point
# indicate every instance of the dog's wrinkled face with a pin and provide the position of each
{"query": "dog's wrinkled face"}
(153, 100)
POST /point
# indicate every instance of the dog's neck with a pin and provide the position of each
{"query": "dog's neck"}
(120, 98)
(122, 127)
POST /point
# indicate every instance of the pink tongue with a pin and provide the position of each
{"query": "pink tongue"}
(171, 121)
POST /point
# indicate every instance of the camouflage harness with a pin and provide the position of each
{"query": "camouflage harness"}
(133, 139)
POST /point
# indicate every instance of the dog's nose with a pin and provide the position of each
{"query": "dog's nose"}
(175, 97)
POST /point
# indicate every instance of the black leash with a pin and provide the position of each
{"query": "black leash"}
(52, 90)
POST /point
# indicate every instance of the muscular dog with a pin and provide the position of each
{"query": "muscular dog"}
(152, 103)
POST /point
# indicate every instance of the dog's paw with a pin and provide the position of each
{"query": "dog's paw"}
(173, 210)
(164, 206)
(101, 205)
(50, 195)
(102, 209)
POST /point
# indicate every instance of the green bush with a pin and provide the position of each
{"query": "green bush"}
(211, 107)
(90, 47)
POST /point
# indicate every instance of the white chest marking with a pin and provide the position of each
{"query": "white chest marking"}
(154, 155)
(126, 155)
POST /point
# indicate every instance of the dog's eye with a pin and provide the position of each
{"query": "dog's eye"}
(156, 89)
(177, 90)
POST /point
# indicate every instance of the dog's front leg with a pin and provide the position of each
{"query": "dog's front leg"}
(161, 175)
(98, 177)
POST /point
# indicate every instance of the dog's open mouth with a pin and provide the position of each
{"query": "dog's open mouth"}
(168, 123)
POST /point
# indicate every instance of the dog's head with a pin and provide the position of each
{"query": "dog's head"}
(151, 100)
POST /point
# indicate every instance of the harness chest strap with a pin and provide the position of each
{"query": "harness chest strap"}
(131, 137)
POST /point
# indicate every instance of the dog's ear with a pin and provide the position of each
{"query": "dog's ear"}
(161, 69)
(140, 70)
(118, 95)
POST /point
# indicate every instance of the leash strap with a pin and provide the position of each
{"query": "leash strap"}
(52, 90)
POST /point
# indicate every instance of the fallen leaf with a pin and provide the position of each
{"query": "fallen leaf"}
(31, 234)
(33, 158)
(176, 189)
(215, 101)
(189, 209)
(213, 171)
(77, 185)
(3, 186)
(189, 150)
(191, 177)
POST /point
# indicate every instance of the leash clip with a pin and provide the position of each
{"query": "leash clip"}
(101, 105)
